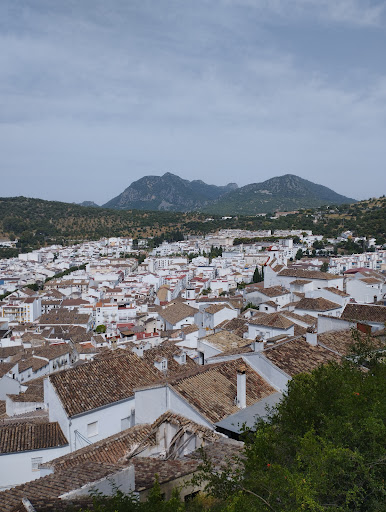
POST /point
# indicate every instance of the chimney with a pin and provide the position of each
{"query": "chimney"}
(258, 344)
(312, 336)
(241, 387)
(138, 350)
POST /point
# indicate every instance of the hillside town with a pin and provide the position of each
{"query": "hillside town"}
(119, 362)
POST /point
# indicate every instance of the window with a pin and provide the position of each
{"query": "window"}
(35, 463)
(92, 429)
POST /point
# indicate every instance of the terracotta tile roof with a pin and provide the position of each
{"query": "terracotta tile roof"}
(277, 320)
(299, 330)
(100, 383)
(85, 348)
(236, 303)
(74, 302)
(54, 485)
(364, 313)
(53, 351)
(167, 350)
(5, 368)
(2, 409)
(30, 436)
(318, 304)
(339, 341)
(215, 308)
(6, 352)
(64, 317)
(244, 349)
(177, 312)
(307, 274)
(300, 282)
(34, 392)
(274, 291)
(237, 326)
(297, 356)
(110, 450)
(306, 319)
(189, 329)
(181, 421)
(212, 391)
(162, 292)
(224, 340)
(337, 291)
(32, 362)
(371, 280)
(147, 468)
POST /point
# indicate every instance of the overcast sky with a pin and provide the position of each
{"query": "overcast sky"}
(96, 94)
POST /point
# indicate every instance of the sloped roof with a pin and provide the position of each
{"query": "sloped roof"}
(307, 274)
(55, 485)
(297, 356)
(64, 316)
(277, 320)
(274, 291)
(177, 312)
(109, 450)
(317, 304)
(212, 391)
(224, 340)
(23, 437)
(364, 313)
(215, 308)
(102, 382)
(337, 291)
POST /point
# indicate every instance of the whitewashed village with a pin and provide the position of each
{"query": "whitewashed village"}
(115, 368)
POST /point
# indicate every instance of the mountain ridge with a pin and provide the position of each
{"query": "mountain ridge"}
(170, 192)
(167, 192)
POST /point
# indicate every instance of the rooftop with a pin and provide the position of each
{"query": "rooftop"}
(30, 436)
(297, 356)
(100, 383)
(364, 313)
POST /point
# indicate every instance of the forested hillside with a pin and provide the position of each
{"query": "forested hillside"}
(36, 223)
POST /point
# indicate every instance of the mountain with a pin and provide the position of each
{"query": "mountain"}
(89, 203)
(168, 192)
(282, 193)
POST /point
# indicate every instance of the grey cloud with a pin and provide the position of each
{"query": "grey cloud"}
(102, 93)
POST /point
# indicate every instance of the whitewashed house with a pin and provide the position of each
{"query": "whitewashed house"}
(96, 400)
(24, 446)
(270, 325)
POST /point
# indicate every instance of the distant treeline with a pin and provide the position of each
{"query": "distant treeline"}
(37, 223)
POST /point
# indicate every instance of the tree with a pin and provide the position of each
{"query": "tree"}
(100, 329)
(257, 276)
(299, 254)
(324, 266)
(323, 447)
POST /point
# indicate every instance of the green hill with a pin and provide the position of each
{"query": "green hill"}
(167, 192)
(282, 193)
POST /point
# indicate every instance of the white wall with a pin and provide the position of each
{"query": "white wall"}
(14, 408)
(16, 468)
(271, 373)
(108, 418)
(326, 324)
(8, 386)
(363, 292)
(151, 403)
(267, 332)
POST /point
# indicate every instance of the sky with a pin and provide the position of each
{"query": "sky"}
(95, 94)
